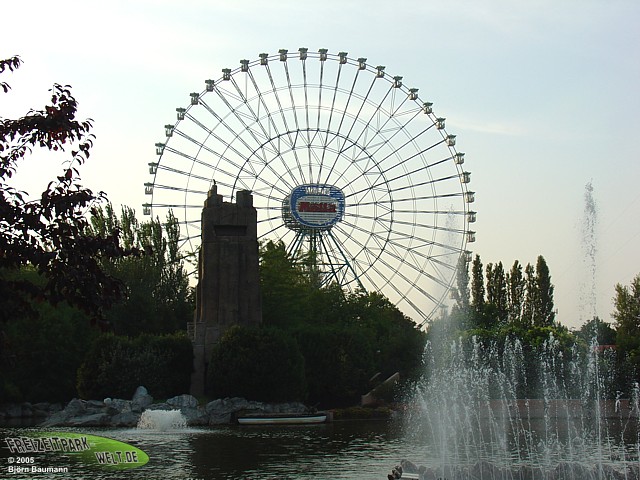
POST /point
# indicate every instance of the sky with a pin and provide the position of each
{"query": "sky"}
(543, 97)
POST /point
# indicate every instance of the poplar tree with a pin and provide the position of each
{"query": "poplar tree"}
(544, 311)
(530, 296)
(516, 285)
(461, 291)
(497, 291)
(477, 286)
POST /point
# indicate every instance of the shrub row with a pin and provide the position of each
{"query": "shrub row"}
(115, 366)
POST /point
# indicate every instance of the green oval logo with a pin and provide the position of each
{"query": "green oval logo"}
(89, 449)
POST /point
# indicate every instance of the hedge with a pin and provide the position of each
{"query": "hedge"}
(115, 366)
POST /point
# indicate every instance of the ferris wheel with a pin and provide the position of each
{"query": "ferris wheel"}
(346, 165)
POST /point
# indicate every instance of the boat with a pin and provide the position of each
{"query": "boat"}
(281, 418)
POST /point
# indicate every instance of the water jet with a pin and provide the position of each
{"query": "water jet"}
(162, 420)
(504, 412)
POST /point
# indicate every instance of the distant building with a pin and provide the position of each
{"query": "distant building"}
(228, 291)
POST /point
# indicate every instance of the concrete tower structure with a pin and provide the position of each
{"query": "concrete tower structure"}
(228, 291)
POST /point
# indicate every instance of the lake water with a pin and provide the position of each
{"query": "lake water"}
(339, 450)
(347, 450)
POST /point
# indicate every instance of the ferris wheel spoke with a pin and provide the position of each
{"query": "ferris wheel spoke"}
(288, 134)
(417, 267)
(293, 102)
(330, 138)
(365, 101)
(253, 115)
(180, 189)
(410, 199)
(372, 236)
(182, 173)
(341, 254)
(263, 190)
(397, 236)
(408, 281)
(425, 241)
(397, 130)
(322, 63)
(388, 222)
(349, 97)
(387, 282)
(274, 90)
(211, 133)
(235, 135)
(269, 135)
(399, 164)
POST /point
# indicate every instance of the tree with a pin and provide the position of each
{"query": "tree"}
(530, 296)
(263, 364)
(597, 330)
(159, 298)
(284, 286)
(497, 291)
(544, 309)
(627, 317)
(477, 286)
(51, 232)
(516, 286)
(461, 292)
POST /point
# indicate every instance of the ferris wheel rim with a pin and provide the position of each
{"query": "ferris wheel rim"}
(382, 257)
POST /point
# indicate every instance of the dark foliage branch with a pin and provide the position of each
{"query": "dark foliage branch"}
(52, 233)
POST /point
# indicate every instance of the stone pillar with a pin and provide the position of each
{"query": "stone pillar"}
(228, 291)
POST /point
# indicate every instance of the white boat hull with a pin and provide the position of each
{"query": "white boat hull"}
(281, 419)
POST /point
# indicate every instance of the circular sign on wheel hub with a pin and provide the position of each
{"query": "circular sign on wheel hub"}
(317, 206)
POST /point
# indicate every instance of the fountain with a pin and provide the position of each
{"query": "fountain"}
(507, 412)
(589, 244)
(162, 420)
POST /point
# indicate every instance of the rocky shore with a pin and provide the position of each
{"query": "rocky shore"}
(116, 412)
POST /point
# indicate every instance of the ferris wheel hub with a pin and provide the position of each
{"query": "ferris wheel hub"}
(316, 206)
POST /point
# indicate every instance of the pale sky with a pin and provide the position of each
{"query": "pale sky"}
(543, 97)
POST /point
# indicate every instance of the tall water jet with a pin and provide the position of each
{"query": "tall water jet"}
(589, 244)
(509, 411)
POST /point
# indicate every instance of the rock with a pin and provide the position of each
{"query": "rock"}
(27, 410)
(125, 419)
(226, 405)
(75, 407)
(140, 392)
(55, 420)
(94, 405)
(183, 401)
(117, 405)
(141, 399)
(220, 411)
(196, 416)
(13, 411)
(126, 413)
(42, 409)
(93, 420)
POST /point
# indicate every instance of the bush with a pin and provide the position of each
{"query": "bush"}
(40, 354)
(338, 363)
(116, 366)
(262, 364)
